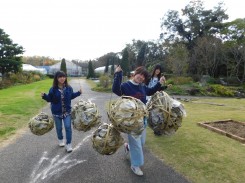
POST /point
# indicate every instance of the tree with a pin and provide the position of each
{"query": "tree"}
(63, 66)
(107, 65)
(10, 61)
(196, 22)
(178, 59)
(90, 70)
(234, 36)
(141, 55)
(206, 53)
(113, 66)
(155, 55)
(125, 62)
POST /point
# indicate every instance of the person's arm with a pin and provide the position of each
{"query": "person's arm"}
(48, 97)
(116, 86)
(166, 86)
(158, 87)
(150, 91)
(75, 94)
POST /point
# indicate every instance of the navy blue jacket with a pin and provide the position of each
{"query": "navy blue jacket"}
(129, 89)
(54, 97)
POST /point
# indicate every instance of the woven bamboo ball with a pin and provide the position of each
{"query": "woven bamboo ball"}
(165, 113)
(85, 115)
(127, 114)
(106, 139)
(41, 124)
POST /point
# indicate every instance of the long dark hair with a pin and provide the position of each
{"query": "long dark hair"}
(143, 71)
(155, 68)
(56, 76)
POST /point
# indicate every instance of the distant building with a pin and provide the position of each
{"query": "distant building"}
(46, 67)
(101, 70)
(28, 67)
(71, 68)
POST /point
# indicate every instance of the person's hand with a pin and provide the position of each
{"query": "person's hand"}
(162, 80)
(42, 94)
(81, 91)
(118, 69)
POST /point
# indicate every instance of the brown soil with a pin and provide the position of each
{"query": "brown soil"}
(232, 127)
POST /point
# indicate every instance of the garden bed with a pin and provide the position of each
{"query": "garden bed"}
(229, 128)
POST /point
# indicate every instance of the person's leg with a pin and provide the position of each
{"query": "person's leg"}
(143, 137)
(67, 124)
(58, 126)
(136, 151)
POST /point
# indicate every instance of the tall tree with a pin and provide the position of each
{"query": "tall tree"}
(195, 22)
(206, 53)
(234, 36)
(141, 55)
(63, 66)
(113, 65)
(178, 59)
(107, 65)
(125, 62)
(10, 61)
(90, 70)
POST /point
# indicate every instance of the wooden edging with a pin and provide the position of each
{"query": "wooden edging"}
(206, 125)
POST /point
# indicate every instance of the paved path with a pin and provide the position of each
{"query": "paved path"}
(38, 159)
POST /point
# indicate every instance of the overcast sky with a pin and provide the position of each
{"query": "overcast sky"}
(83, 30)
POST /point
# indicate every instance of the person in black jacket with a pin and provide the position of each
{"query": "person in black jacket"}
(136, 88)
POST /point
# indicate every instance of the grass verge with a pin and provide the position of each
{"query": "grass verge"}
(18, 104)
(199, 154)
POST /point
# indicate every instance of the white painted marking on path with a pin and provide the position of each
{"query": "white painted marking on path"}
(47, 166)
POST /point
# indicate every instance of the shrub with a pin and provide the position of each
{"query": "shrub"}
(219, 90)
(36, 77)
(104, 81)
(212, 80)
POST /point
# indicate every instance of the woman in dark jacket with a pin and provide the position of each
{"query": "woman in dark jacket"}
(60, 96)
(136, 88)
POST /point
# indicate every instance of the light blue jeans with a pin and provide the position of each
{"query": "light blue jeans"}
(67, 124)
(136, 148)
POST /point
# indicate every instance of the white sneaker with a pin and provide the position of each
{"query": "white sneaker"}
(126, 150)
(61, 143)
(137, 170)
(68, 148)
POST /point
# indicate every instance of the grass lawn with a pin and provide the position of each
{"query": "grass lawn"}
(18, 104)
(200, 155)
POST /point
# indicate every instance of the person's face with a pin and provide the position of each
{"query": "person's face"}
(61, 79)
(157, 71)
(139, 78)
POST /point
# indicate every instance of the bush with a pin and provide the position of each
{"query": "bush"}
(20, 78)
(104, 81)
(36, 77)
(219, 90)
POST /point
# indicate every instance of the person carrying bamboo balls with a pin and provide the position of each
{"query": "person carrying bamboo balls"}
(135, 87)
(60, 96)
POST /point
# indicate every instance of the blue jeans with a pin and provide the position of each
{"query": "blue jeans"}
(67, 124)
(136, 148)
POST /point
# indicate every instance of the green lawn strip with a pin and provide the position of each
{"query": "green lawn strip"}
(18, 104)
(199, 154)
